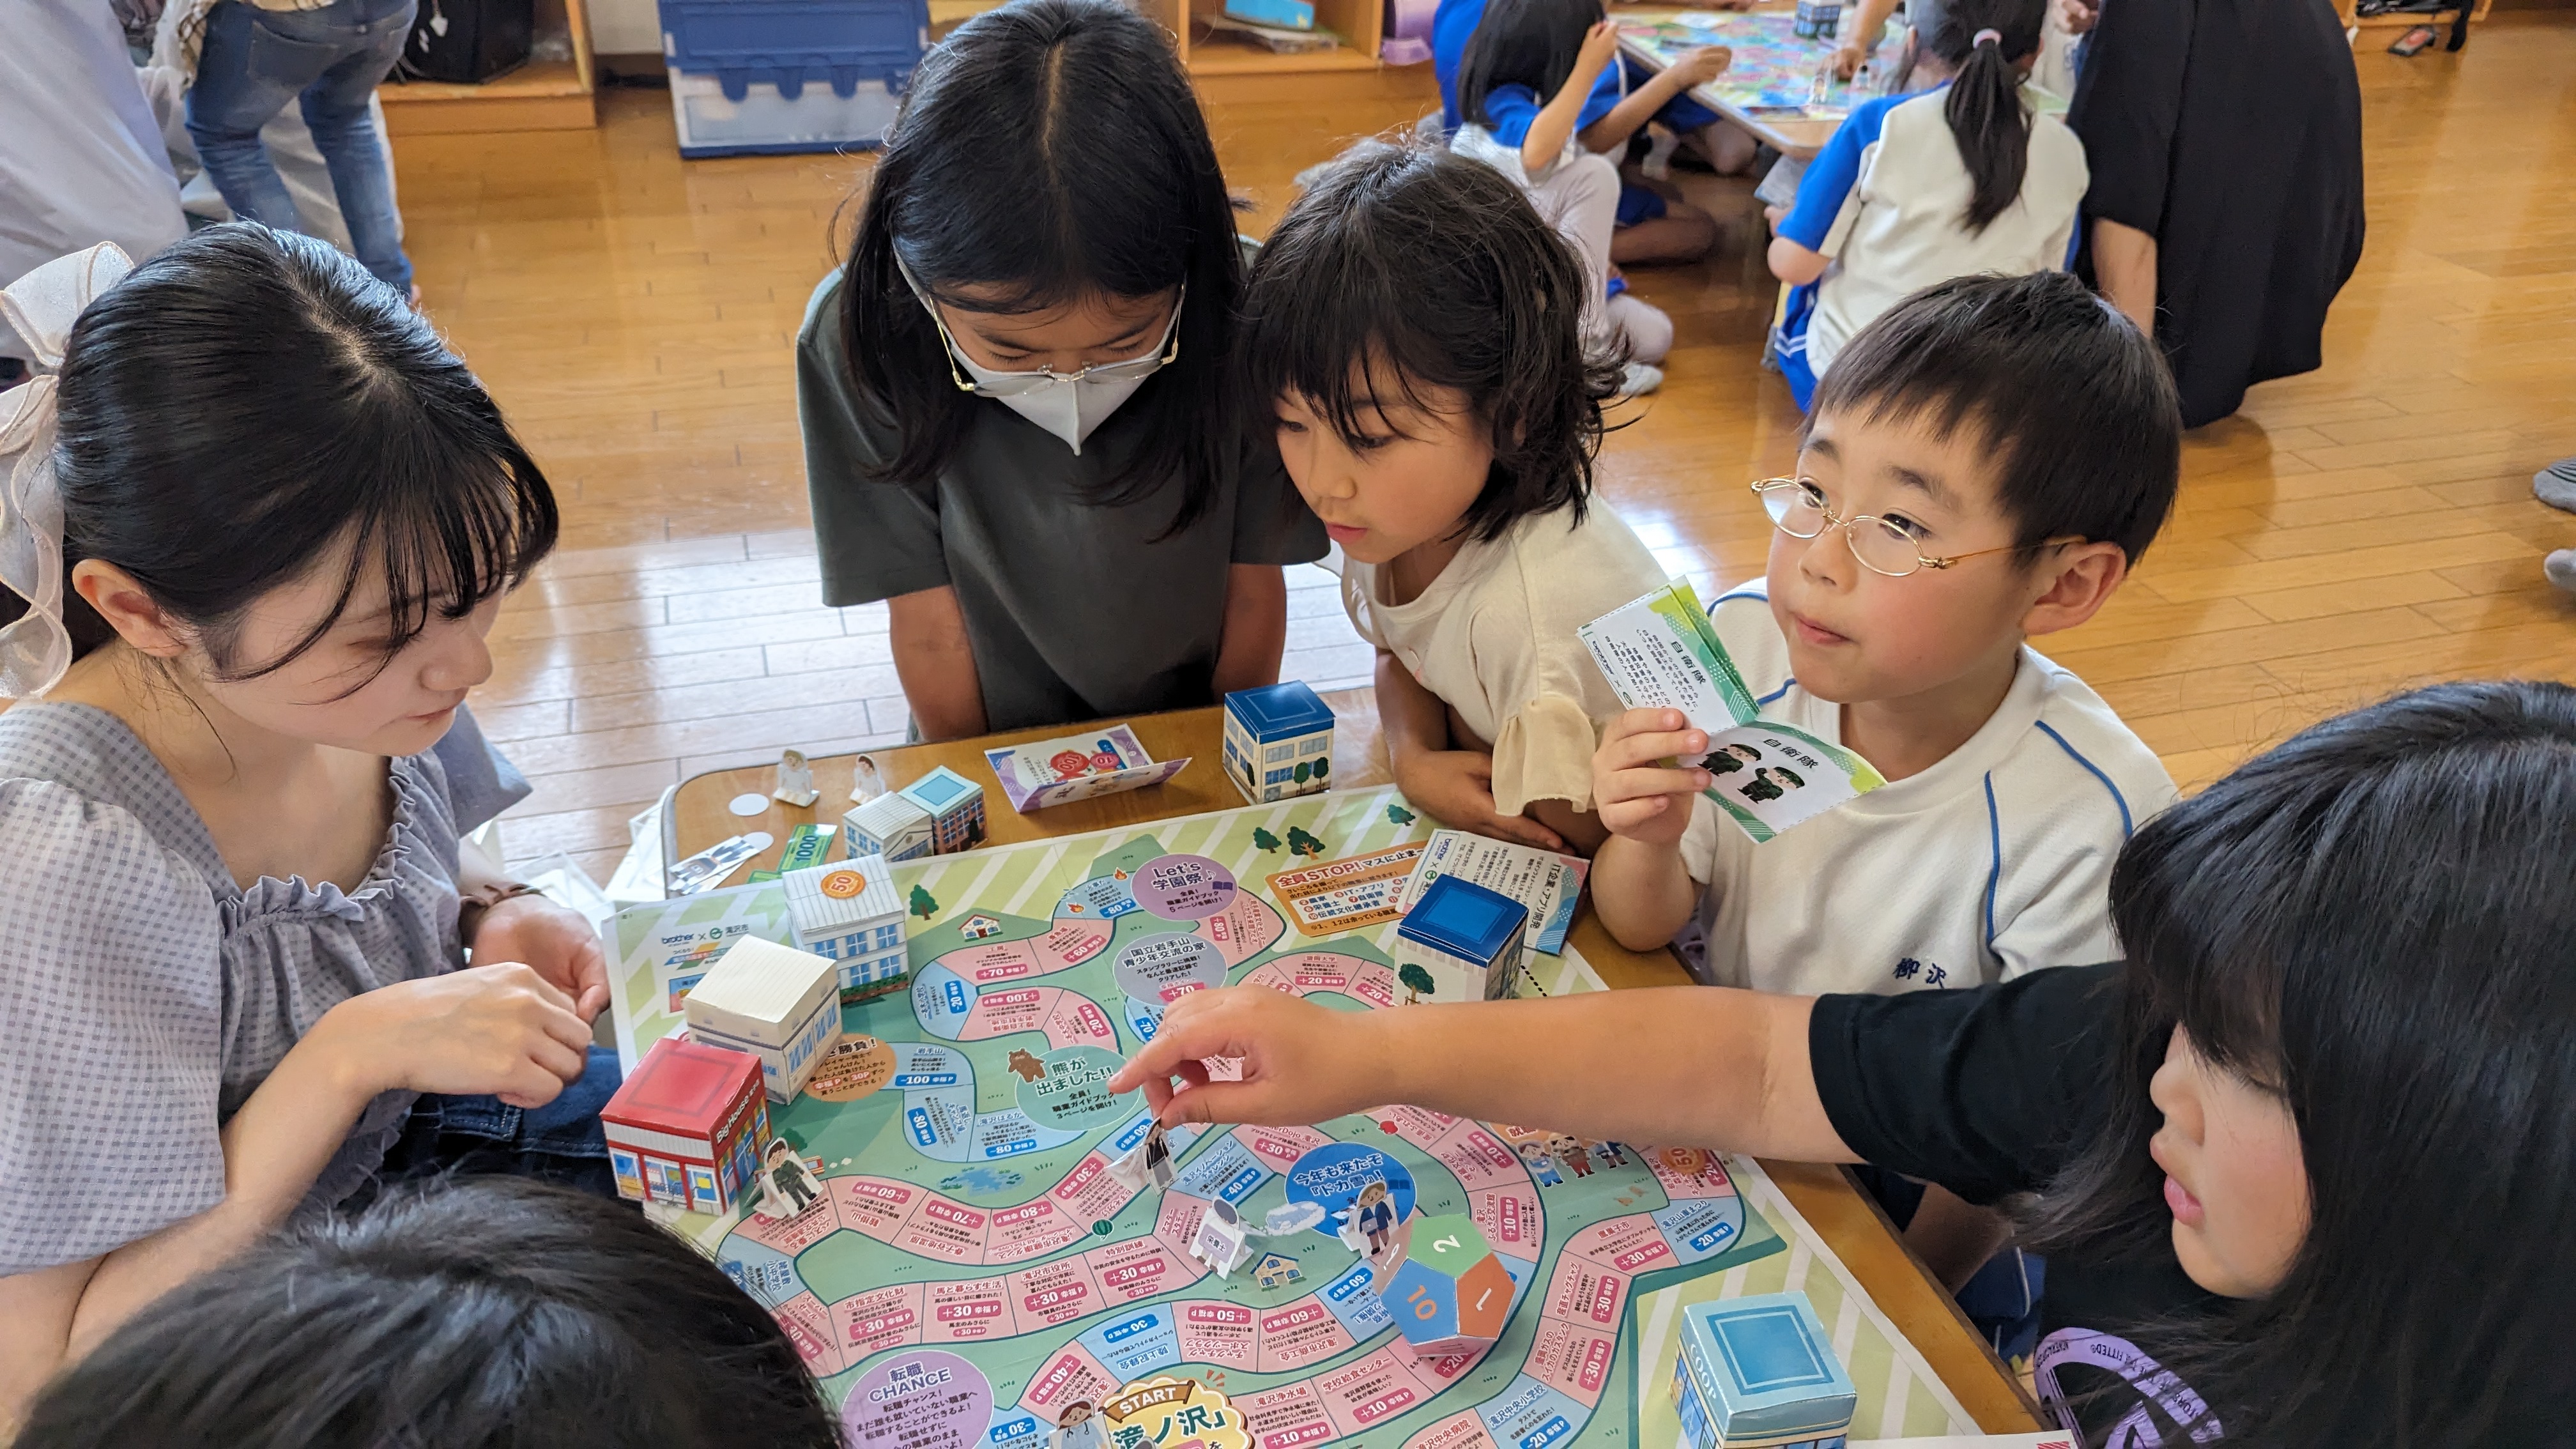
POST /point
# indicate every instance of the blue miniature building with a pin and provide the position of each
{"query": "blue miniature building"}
(956, 807)
(1278, 742)
(851, 914)
(892, 826)
(1460, 942)
(1760, 1370)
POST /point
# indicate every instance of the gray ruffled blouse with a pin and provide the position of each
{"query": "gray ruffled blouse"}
(145, 995)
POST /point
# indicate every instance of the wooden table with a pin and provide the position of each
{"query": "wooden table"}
(1850, 1223)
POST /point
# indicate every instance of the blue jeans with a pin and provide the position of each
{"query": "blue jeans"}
(559, 1142)
(253, 63)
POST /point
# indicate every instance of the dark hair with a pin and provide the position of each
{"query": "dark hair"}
(2373, 920)
(2075, 403)
(247, 400)
(1988, 117)
(1405, 269)
(1532, 43)
(494, 1314)
(1053, 147)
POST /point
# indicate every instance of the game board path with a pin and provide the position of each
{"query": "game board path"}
(1558, 1386)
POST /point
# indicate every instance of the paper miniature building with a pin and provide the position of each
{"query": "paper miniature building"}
(852, 914)
(889, 825)
(1460, 942)
(1278, 741)
(686, 1125)
(1276, 1270)
(780, 1004)
(1759, 1370)
(955, 805)
(1451, 1293)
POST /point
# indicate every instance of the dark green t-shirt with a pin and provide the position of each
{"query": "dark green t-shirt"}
(1074, 610)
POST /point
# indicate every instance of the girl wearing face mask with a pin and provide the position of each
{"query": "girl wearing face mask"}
(1017, 427)
(258, 524)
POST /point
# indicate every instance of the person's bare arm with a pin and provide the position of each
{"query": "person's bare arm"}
(2124, 265)
(936, 663)
(1553, 126)
(497, 1029)
(1794, 264)
(1860, 41)
(1255, 632)
(1695, 68)
(1953, 1236)
(1695, 1064)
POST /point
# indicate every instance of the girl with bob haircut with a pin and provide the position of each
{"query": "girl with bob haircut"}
(1416, 328)
(493, 1314)
(2302, 1163)
(1017, 425)
(259, 523)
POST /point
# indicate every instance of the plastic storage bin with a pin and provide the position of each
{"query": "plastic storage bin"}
(788, 75)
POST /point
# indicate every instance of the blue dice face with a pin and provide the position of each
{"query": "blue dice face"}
(1424, 1304)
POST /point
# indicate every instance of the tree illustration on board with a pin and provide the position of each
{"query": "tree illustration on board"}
(1417, 982)
(1301, 843)
(1264, 839)
(1398, 815)
(922, 904)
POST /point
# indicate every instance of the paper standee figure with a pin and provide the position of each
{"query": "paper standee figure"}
(789, 1183)
(1759, 1370)
(795, 781)
(1222, 1239)
(1463, 938)
(867, 782)
(1077, 1426)
(1371, 1229)
(1149, 1161)
(1451, 1293)
(685, 1127)
(1278, 742)
(780, 1004)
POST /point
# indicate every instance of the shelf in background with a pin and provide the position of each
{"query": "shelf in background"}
(543, 95)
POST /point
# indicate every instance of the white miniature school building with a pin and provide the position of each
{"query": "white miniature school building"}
(1465, 937)
(955, 805)
(850, 913)
(1278, 741)
(774, 1002)
(889, 825)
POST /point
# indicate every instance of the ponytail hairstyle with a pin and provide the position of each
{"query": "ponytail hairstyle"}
(1052, 148)
(249, 401)
(1532, 43)
(1983, 43)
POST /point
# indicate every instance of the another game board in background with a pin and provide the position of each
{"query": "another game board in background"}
(1773, 73)
(974, 1256)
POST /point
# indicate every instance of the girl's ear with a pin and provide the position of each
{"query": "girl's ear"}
(128, 608)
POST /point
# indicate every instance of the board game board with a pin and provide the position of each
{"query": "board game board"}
(973, 1267)
(1773, 72)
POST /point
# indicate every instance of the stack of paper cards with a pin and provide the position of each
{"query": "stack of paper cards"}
(1662, 653)
(1076, 767)
(1542, 880)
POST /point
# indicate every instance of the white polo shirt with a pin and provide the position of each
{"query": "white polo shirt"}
(1991, 863)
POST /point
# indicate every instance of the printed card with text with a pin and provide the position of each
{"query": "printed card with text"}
(1661, 652)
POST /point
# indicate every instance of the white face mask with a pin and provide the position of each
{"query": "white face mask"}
(1067, 404)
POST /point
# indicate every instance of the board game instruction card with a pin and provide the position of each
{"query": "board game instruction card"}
(1547, 883)
(1076, 767)
(1351, 894)
(1662, 653)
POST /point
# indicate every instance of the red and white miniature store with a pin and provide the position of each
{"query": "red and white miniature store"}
(686, 1128)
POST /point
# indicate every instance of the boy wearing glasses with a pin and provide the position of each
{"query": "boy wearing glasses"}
(1985, 463)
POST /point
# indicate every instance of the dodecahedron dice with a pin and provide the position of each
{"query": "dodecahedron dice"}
(1451, 1294)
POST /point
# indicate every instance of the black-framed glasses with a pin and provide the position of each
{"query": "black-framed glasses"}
(1882, 546)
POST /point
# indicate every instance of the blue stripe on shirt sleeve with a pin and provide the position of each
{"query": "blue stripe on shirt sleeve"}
(1835, 171)
(2077, 756)
(1995, 871)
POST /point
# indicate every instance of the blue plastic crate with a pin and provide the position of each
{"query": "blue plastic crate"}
(792, 43)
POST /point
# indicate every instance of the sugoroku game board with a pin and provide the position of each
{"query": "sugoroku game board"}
(1773, 71)
(973, 1268)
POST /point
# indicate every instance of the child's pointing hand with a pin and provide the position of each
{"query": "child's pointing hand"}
(1301, 1063)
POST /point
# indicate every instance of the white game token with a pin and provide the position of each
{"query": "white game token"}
(748, 804)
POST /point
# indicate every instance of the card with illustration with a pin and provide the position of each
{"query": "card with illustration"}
(1661, 652)
(1076, 767)
(1545, 882)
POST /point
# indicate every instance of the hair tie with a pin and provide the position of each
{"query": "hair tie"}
(1994, 38)
(42, 305)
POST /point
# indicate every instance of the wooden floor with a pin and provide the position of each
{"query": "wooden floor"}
(2352, 531)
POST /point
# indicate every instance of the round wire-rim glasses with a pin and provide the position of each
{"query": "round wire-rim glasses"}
(1014, 384)
(1796, 507)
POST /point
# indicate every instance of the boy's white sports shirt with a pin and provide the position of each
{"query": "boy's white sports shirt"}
(1994, 862)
